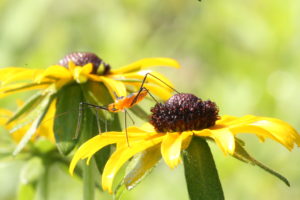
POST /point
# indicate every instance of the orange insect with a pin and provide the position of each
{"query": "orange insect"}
(121, 104)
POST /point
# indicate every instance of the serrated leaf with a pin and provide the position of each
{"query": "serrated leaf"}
(200, 172)
(32, 170)
(241, 154)
(68, 101)
(27, 107)
(40, 112)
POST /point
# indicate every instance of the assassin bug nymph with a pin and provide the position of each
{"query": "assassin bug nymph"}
(122, 104)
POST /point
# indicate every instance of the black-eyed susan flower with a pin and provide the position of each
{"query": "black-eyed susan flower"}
(79, 77)
(173, 127)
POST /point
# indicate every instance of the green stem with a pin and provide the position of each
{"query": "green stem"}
(44, 185)
(88, 182)
(200, 172)
(88, 170)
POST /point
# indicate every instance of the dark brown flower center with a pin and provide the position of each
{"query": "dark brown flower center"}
(83, 58)
(183, 112)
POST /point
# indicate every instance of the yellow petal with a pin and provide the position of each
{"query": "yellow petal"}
(275, 129)
(145, 63)
(171, 147)
(227, 120)
(81, 74)
(135, 135)
(139, 76)
(147, 127)
(121, 155)
(115, 87)
(135, 131)
(11, 74)
(163, 93)
(223, 137)
(93, 145)
(71, 66)
(263, 127)
(54, 72)
(20, 87)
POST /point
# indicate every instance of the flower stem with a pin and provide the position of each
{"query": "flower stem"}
(43, 192)
(89, 129)
(200, 172)
(88, 182)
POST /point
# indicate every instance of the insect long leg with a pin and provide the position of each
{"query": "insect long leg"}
(133, 122)
(80, 112)
(142, 86)
(127, 140)
(151, 95)
(80, 116)
(98, 123)
(105, 125)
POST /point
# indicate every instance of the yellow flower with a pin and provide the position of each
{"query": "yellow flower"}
(83, 67)
(79, 77)
(173, 126)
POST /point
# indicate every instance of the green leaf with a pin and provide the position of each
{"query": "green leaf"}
(26, 191)
(241, 154)
(200, 172)
(30, 104)
(97, 94)
(32, 170)
(39, 114)
(101, 158)
(68, 100)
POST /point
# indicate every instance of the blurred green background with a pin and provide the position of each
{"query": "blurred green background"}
(242, 54)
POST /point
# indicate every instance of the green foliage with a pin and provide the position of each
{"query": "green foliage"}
(66, 116)
(200, 171)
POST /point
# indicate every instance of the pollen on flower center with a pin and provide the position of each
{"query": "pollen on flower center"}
(183, 112)
(83, 58)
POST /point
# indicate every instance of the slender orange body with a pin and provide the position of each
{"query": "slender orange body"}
(126, 102)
